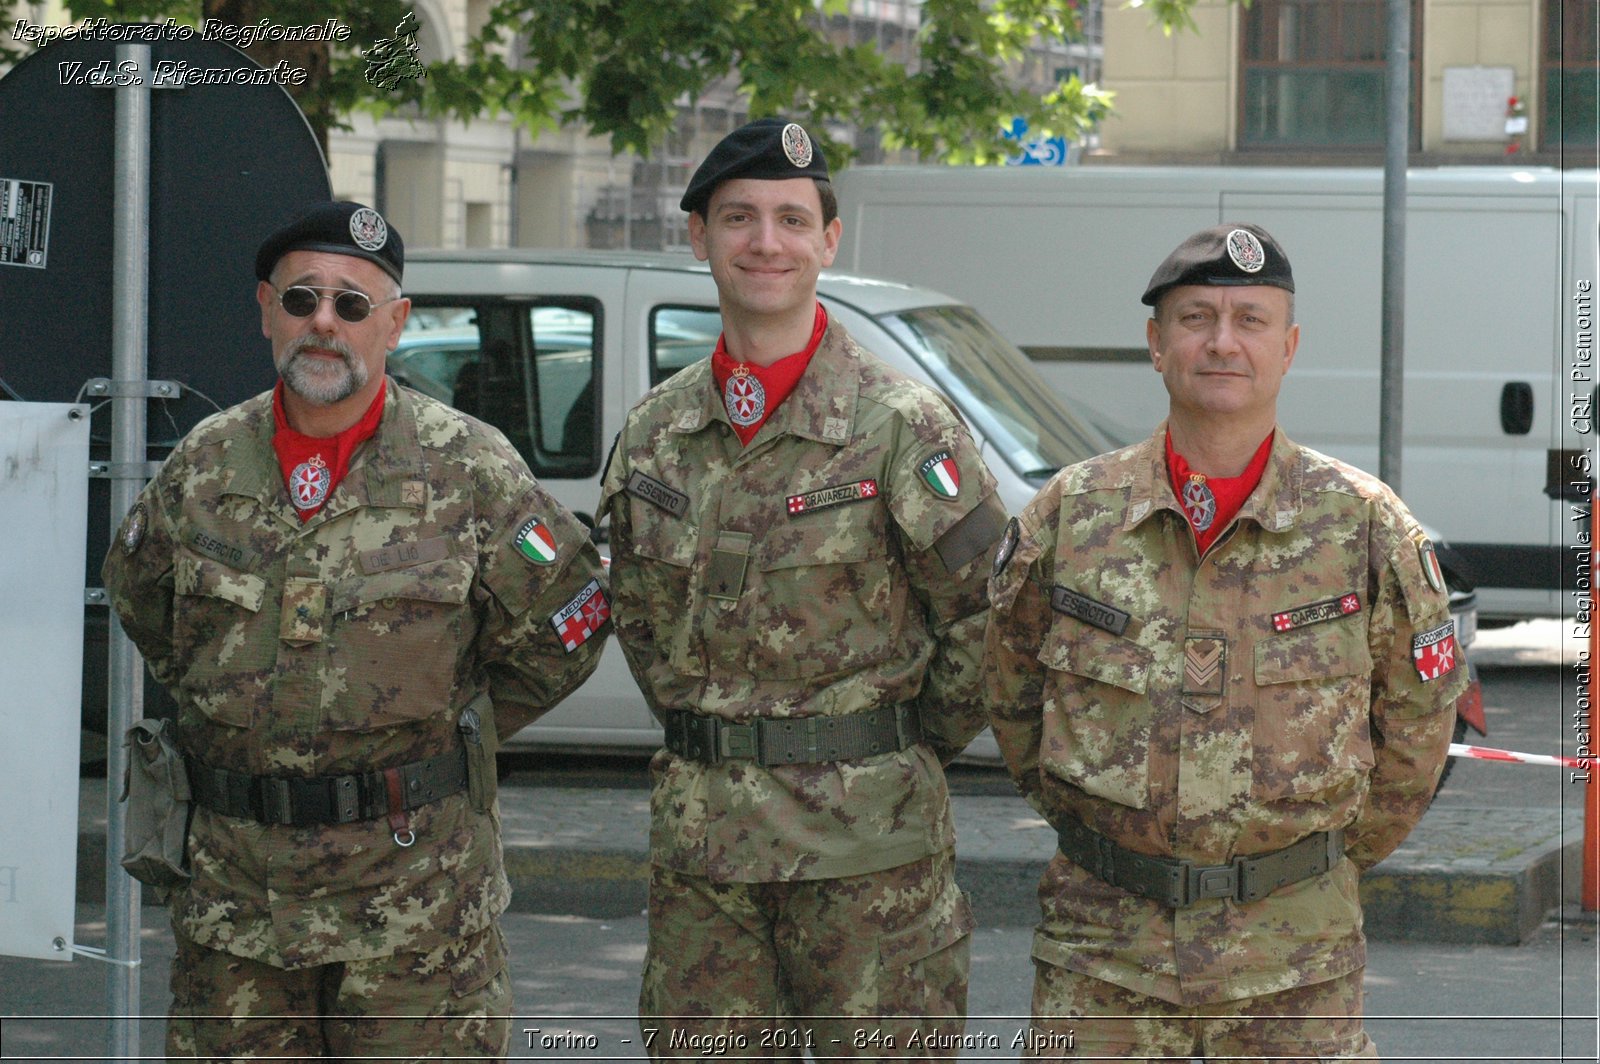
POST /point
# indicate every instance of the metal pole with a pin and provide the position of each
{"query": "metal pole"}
(1397, 96)
(130, 284)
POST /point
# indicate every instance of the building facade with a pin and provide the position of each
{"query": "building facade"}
(1302, 82)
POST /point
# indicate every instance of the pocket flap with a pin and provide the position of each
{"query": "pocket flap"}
(817, 540)
(446, 581)
(199, 576)
(1319, 652)
(1084, 650)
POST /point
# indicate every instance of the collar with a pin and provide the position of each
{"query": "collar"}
(383, 471)
(822, 406)
(1275, 505)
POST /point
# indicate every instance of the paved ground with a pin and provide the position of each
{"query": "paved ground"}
(1471, 960)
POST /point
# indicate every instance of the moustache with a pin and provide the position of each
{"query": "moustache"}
(300, 344)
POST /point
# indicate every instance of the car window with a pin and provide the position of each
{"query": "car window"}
(528, 370)
(681, 336)
(563, 397)
(435, 344)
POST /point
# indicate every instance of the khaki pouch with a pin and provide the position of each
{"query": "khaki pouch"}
(482, 740)
(156, 792)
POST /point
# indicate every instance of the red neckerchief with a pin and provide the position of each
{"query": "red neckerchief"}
(313, 466)
(772, 384)
(1228, 493)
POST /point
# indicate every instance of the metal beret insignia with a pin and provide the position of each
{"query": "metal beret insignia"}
(1246, 251)
(796, 145)
(368, 229)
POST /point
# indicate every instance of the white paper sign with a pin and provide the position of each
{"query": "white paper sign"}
(1475, 102)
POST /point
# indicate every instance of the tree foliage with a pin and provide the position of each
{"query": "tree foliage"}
(621, 68)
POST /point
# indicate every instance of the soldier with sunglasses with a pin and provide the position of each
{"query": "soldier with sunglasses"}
(351, 591)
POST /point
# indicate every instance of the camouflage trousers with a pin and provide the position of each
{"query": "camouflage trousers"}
(1079, 1017)
(454, 1001)
(870, 966)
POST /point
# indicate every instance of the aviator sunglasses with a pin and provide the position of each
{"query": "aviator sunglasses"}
(301, 301)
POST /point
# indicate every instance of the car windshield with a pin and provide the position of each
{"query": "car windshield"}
(993, 384)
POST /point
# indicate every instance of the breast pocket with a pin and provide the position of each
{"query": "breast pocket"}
(1097, 712)
(665, 549)
(829, 601)
(397, 639)
(226, 647)
(1313, 700)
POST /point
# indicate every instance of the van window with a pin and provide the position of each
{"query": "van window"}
(680, 336)
(529, 371)
(986, 377)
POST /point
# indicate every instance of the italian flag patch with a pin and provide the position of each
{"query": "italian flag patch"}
(536, 543)
(939, 472)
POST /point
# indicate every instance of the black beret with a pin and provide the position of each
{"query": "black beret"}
(768, 149)
(1230, 253)
(341, 227)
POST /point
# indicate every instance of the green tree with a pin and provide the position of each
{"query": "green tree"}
(620, 67)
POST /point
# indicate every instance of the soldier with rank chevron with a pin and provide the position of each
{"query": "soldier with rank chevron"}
(1222, 666)
(351, 590)
(800, 549)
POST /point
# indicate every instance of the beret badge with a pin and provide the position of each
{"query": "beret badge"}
(368, 230)
(1246, 251)
(796, 145)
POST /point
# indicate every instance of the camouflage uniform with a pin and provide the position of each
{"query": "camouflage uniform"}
(864, 587)
(348, 644)
(1269, 691)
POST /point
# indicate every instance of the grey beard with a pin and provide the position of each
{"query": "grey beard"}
(323, 383)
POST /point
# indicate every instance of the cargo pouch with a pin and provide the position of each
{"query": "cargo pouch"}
(482, 741)
(156, 792)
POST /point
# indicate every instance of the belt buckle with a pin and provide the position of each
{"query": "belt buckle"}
(346, 799)
(277, 806)
(1213, 881)
(692, 736)
(740, 742)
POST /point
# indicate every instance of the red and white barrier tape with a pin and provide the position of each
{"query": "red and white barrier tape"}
(1488, 753)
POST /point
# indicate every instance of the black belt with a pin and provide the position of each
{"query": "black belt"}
(792, 740)
(301, 801)
(1180, 883)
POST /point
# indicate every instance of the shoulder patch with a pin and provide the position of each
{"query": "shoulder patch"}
(1434, 651)
(535, 542)
(940, 473)
(972, 536)
(581, 617)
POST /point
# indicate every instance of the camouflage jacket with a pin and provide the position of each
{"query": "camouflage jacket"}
(346, 644)
(1297, 678)
(863, 587)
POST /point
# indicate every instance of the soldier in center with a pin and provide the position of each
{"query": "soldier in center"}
(800, 545)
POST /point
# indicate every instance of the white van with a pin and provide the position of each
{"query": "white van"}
(1499, 347)
(554, 347)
